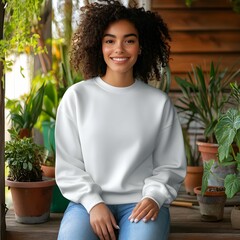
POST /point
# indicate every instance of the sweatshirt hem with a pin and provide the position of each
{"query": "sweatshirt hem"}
(112, 199)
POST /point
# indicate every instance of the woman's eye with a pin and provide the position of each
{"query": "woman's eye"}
(109, 41)
(130, 41)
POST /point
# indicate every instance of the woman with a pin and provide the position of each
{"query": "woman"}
(119, 147)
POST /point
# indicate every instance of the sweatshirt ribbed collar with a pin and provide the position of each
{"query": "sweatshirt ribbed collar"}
(113, 89)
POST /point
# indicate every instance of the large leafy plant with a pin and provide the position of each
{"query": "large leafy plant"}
(24, 159)
(204, 96)
(227, 133)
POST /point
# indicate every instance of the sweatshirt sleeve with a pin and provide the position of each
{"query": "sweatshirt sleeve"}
(73, 181)
(169, 163)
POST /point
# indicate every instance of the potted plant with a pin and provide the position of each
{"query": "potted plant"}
(227, 133)
(204, 99)
(211, 201)
(25, 112)
(228, 137)
(31, 193)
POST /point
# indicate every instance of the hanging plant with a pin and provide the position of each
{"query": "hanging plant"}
(20, 17)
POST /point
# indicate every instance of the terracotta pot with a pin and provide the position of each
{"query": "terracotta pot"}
(235, 217)
(48, 171)
(193, 178)
(208, 150)
(25, 132)
(211, 204)
(31, 200)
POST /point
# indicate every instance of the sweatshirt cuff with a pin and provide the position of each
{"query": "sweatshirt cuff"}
(90, 201)
(156, 196)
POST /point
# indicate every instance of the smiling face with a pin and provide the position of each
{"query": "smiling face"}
(120, 47)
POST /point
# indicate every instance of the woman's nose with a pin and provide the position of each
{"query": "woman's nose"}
(119, 48)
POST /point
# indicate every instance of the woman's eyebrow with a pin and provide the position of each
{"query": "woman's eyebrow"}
(127, 35)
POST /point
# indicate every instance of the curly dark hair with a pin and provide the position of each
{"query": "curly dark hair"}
(86, 53)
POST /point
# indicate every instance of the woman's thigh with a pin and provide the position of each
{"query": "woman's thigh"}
(152, 230)
(75, 224)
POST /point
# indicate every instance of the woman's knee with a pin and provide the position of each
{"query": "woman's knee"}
(76, 224)
(152, 230)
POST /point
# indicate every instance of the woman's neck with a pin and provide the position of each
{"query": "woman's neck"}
(118, 80)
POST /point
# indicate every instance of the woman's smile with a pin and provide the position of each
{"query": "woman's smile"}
(119, 59)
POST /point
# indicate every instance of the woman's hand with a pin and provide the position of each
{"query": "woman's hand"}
(103, 222)
(145, 210)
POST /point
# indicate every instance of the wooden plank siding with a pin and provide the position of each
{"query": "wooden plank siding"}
(208, 31)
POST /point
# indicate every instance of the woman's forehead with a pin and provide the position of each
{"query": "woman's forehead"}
(121, 27)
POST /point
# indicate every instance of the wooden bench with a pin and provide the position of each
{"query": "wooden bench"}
(186, 224)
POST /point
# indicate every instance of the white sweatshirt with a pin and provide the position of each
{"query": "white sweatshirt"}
(118, 145)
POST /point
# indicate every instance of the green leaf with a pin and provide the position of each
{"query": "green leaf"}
(37, 102)
(21, 71)
(206, 174)
(25, 166)
(232, 185)
(238, 161)
(14, 163)
(17, 119)
(235, 92)
(226, 130)
(210, 128)
(30, 166)
(183, 82)
(237, 139)
(51, 93)
(227, 161)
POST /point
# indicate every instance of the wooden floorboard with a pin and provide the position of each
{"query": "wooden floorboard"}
(46, 231)
(189, 221)
(203, 236)
(186, 224)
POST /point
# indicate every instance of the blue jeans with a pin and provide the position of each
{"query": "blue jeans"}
(75, 224)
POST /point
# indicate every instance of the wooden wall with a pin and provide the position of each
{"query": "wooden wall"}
(208, 31)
